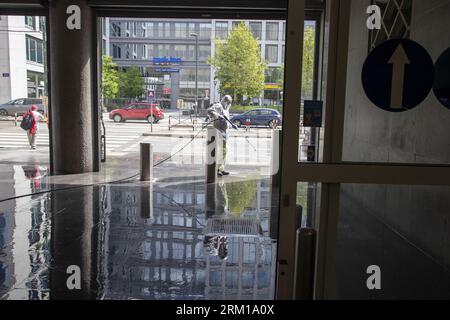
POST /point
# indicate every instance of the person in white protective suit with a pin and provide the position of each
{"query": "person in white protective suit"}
(220, 114)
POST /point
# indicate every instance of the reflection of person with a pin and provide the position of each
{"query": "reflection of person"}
(220, 113)
(32, 132)
(217, 244)
(35, 174)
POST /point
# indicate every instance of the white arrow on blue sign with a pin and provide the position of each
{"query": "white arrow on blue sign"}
(398, 75)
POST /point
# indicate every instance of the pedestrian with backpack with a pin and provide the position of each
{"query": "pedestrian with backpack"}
(30, 124)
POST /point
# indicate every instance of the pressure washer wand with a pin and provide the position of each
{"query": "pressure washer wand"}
(236, 128)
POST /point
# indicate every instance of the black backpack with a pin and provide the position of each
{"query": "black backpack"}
(27, 121)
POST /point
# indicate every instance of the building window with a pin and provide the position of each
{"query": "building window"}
(272, 31)
(115, 29)
(205, 31)
(30, 22)
(191, 28)
(35, 84)
(42, 24)
(221, 30)
(396, 22)
(283, 53)
(180, 51)
(283, 31)
(34, 49)
(116, 51)
(168, 30)
(181, 30)
(135, 50)
(272, 53)
(148, 29)
(159, 30)
(191, 53)
(256, 29)
(188, 74)
(274, 75)
(204, 52)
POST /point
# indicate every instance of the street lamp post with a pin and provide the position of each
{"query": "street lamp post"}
(195, 35)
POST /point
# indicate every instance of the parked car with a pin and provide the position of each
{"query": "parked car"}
(258, 117)
(20, 106)
(138, 111)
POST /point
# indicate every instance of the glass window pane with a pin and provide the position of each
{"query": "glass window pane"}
(221, 29)
(272, 31)
(392, 113)
(272, 53)
(402, 230)
(256, 29)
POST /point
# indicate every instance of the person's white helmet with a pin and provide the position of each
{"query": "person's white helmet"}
(226, 100)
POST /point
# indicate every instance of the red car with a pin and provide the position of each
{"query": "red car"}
(138, 111)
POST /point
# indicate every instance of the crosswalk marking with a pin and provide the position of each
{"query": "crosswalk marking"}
(114, 141)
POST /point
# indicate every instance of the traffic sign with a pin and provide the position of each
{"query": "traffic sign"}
(398, 75)
(441, 86)
(151, 93)
(312, 114)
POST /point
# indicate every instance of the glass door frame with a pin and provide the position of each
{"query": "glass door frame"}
(332, 171)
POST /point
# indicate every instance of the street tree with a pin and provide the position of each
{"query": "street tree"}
(131, 84)
(238, 64)
(110, 81)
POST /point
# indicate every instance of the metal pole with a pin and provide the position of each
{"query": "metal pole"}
(304, 264)
(146, 161)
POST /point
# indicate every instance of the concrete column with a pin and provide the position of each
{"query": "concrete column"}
(71, 82)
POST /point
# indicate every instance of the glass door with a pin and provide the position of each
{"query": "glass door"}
(382, 164)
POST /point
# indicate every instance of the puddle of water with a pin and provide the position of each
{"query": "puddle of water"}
(180, 241)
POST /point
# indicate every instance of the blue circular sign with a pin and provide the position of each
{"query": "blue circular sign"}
(398, 75)
(441, 86)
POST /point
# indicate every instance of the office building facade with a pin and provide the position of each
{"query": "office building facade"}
(165, 52)
(22, 57)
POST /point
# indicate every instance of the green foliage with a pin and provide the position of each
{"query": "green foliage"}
(308, 63)
(131, 83)
(240, 195)
(110, 81)
(238, 64)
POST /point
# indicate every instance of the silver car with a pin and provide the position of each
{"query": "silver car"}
(20, 106)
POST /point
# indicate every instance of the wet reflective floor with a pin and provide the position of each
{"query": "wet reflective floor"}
(172, 239)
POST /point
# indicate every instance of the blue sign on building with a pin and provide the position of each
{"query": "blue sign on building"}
(398, 75)
(312, 114)
(442, 79)
(166, 60)
(167, 70)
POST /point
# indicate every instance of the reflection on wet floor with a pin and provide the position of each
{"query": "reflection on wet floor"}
(140, 241)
